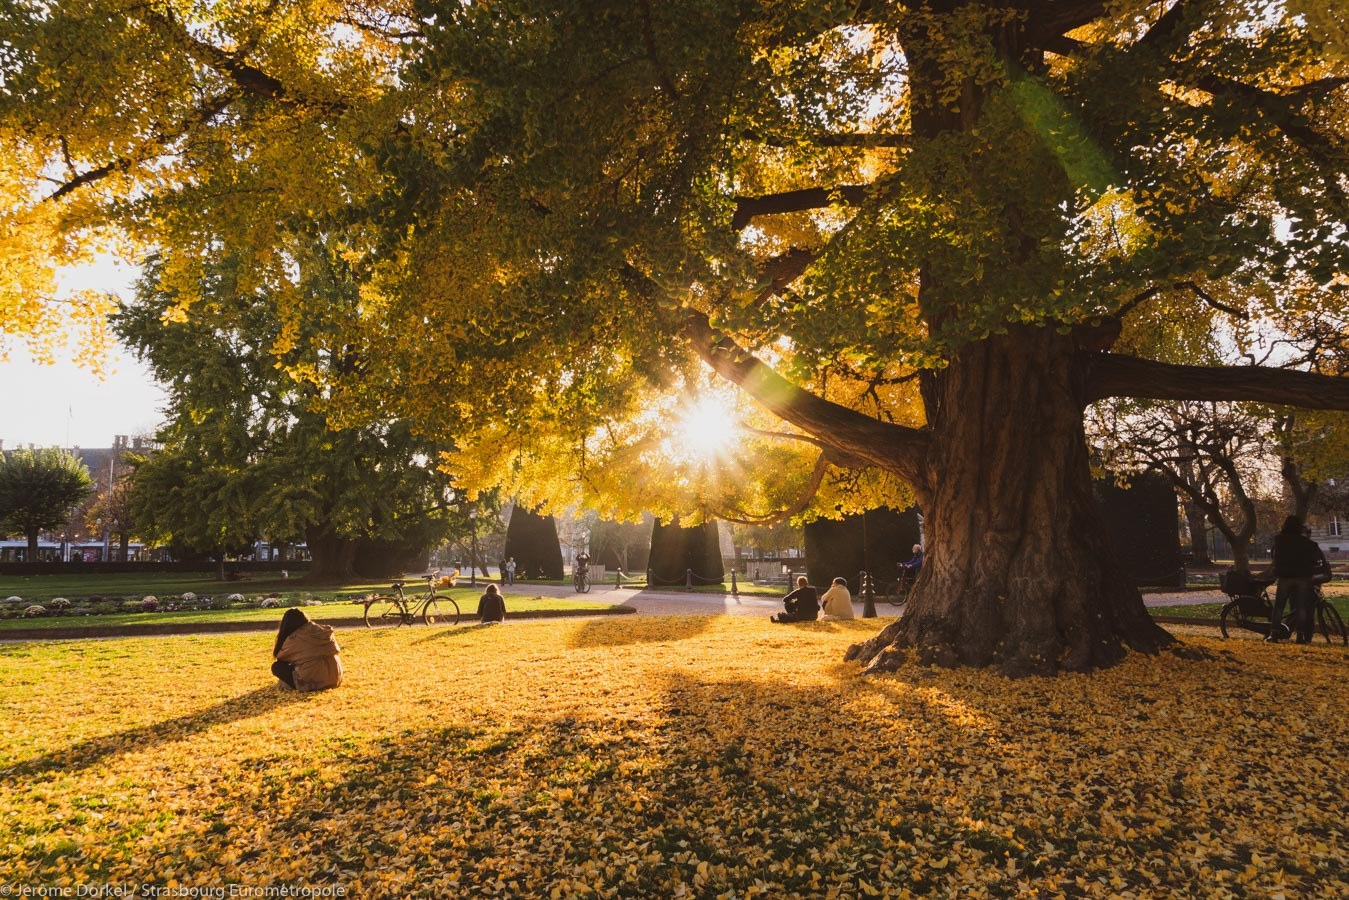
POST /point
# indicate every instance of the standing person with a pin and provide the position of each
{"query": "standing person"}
(510, 570)
(491, 606)
(1297, 558)
(801, 605)
(306, 653)
(837, 601)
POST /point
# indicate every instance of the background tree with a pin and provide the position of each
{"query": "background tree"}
(1214, 455)
(247, 448)
(531, 540)
(919, 233)
(621, 545)
(39, 490)
(114, 508)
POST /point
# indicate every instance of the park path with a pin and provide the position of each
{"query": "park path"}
(677, 603)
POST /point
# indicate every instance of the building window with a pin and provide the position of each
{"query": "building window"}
(1335, 528)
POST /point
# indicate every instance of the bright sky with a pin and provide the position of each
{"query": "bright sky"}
(68, 406)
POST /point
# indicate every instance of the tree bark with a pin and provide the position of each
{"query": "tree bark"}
(1198, 525)
(1019, 571)
(333, 558)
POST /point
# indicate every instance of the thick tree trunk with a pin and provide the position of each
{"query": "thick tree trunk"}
(1019, 571)
(333, 558)
(1198, 525)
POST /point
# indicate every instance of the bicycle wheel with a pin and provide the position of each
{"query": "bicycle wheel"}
(1332, 626)
(583, 583)
(431, 613)
(1231, 613)
(383, 610)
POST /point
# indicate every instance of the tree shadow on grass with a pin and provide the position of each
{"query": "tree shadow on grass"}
(749, 778)
(92, 751)
(454, 632)
(638, 630)
(721, 784)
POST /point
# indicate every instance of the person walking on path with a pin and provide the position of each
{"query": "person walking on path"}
(837, 601)
(510, 570)
(491, 606)
(801, 605)
(1297, 558)
(306, 653)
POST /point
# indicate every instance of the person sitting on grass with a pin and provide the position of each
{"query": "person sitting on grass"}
(307, 655)
(837, 601)
(801, 605)
(491, 606)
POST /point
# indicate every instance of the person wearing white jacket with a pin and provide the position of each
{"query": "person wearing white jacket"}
(837, 601)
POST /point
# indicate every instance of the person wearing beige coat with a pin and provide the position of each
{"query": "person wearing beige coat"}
(837, 601)
(306, 653)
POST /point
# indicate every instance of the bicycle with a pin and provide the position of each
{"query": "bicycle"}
(433, 608)
(580, 578)
(896, 593)
(1250, 608)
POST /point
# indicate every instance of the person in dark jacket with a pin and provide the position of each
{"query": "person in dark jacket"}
(801, 605)
(1297, 559)
(491, 606)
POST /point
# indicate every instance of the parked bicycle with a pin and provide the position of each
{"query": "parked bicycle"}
(1250, 608)
(433, 608)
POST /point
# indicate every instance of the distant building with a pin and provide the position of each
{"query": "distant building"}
(84, 539)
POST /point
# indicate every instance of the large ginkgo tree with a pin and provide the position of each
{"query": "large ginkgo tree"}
(923, 236)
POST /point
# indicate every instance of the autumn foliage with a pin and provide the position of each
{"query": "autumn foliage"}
(668, 757)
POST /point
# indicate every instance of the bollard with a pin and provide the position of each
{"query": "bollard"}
(618, 577)
(735, 588)
(868, 596)
(688, 581)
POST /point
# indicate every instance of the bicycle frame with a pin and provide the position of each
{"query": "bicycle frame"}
(397, 607)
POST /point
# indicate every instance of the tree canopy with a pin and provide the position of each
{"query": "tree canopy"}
(914, 232)
(247, 451)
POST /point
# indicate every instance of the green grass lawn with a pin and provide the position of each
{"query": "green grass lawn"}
(466, 598)
(36, 588)
(336, 599)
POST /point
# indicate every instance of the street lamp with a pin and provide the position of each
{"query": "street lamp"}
(473, 549)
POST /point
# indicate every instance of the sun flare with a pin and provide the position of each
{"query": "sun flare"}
(706, 428)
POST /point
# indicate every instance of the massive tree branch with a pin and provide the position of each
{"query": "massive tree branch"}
(749, 208)
(1167, 29)
(1111, 375)
(740, 517)
(844, 433)
(247, 77)
(1049, 19)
